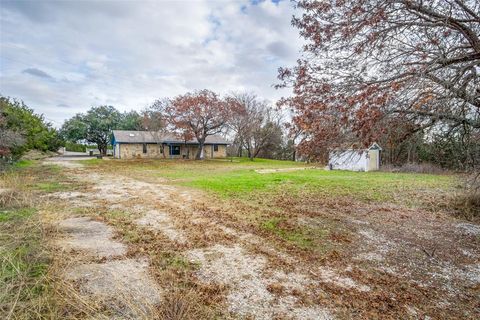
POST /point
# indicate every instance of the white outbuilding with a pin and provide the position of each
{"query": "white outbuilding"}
(355, 159)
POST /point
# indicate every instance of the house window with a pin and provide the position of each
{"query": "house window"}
(215, 147)
(174, 150)
(144, 148)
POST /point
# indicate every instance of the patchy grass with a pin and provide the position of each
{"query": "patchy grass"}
(52, 186)
(319, 218)
(297, 236)
(24, 163)
(17, 214)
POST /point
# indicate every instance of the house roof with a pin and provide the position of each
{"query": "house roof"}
(126, 136)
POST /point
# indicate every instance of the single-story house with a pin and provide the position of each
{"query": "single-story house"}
(152, 144)
(355, 159)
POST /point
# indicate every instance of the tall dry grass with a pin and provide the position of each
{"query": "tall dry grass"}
(25, 291)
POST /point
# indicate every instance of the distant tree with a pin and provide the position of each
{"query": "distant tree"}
(255, 123)
(155, 120)
(95, 126)
(74, 129)
(199, 114)
(100, 122)
(370, 65)
(243, 118)
(294, 133)
(273, 141)
(130, 120)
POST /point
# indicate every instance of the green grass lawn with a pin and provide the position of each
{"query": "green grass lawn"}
(362, 185)
(237, 178)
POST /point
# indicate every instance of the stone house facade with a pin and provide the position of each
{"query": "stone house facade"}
(150, 144)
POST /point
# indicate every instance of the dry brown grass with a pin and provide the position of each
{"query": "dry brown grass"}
(15, 190)
(466, 205)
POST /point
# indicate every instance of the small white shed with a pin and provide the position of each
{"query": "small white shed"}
(355, 159)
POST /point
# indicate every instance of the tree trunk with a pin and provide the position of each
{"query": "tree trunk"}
(249, 153)
(102, 148)
(200, 155)
(239, 152)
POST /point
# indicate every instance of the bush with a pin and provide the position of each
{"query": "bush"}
(17, 118)
(75, 147)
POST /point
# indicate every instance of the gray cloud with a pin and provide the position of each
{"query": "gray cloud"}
(37, 73)
(130, 53)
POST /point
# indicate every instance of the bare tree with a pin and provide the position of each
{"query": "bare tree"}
(155, 120)
(254, 122)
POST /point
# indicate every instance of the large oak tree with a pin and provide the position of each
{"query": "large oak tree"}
(372, 68)
(96, 125)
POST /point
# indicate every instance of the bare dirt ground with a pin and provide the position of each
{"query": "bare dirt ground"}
(394, 263)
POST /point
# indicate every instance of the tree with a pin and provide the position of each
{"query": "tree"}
(243, 118)
(130, 120)
(74, 129)
(95, 126)
(9, 140)
(154, 119)
(255, 123)
(22, 130)
(100, 122)
(371, 64)
(199, 114)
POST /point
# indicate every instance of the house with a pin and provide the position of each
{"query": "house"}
(152, 144)
(355, 159)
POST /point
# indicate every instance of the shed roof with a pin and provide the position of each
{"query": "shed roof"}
(350, 147)
(127, 136)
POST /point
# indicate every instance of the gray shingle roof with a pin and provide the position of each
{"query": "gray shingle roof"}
(125, 136)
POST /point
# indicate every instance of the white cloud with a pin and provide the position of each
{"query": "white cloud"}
(128, 53)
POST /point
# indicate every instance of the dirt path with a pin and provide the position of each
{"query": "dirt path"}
(399, 256)
(223, 255)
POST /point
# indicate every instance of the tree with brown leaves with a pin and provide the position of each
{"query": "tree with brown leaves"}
(370, 65)
(199, 114)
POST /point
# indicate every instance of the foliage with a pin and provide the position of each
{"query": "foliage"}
(199, 114)
(130, 120)
(96, 125)
(383, 70)
(22, 130)
(75, 147)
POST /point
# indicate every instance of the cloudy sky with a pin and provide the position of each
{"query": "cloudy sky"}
(62, 57)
